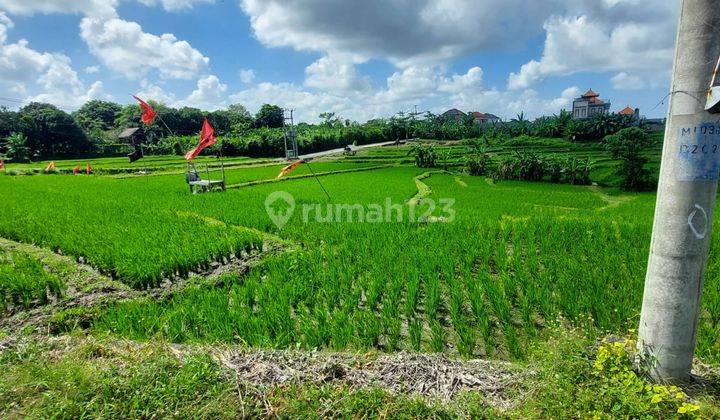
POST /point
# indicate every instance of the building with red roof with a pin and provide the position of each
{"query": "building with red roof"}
(629, 111)
(589, 104)
(482, 117)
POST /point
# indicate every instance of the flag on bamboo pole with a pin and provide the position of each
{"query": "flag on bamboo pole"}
(284, 171)
(50, 167)
(207, 139)
(148, 113)
(88, 169)
(76, 170)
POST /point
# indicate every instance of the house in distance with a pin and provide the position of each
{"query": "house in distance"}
(479, 117)
(589, 104)
(482, 117)
(454, 114)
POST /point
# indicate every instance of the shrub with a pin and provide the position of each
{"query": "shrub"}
(477, 164)
(555, 170)
(425, 156)
(17, 148)
(521, 140)
(627, 145)
(577, 171)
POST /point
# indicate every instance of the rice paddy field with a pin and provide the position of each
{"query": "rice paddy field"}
(491, 282)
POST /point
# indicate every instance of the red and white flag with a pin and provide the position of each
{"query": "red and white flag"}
(148, 113)
(50, 167)
(207, 139)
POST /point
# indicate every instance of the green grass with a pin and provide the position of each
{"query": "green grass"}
(122, 164)
(25, 281)
(517, 255)
(86, 377)
(603, 171)
(130, 229)
(96, 379)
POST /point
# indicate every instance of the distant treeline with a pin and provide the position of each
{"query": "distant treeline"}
(41, 131)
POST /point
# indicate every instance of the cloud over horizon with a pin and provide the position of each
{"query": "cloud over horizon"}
(628, 44)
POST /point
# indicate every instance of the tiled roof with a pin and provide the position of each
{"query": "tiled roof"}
(590, 94)
(128, 132)
(627, 111)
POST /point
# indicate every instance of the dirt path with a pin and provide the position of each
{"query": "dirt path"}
(460, 182)
(610, 200)
(433, 376)
(423, 189)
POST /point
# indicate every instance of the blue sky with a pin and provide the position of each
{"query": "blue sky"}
(359, 59)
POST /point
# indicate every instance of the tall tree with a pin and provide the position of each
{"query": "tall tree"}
(270, 116)
(17, 149)
(52, 132)
(9, 122)
(627, 145)
(97, 114)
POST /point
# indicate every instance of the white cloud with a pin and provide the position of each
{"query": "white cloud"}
(429, 87)
(63, 88)
(152, 92)
(333, 75)
(209, 94)
(469, 81)
(175, 5)
(401, 31)
(91, 69)
(308, 105)
(20, 64)
(617, 35)
(5, 24)
(624, 80)
(124, 47)
(247, 76)
(424, 82)
(47, 77)
(102, 8)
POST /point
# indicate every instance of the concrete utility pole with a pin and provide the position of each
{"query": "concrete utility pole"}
(685, 199)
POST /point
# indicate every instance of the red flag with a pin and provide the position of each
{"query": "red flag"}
(88, 169)
(148, 113)
(76, 169)
(2, 164)
(289, 168)
(207, 139)
(50, 167)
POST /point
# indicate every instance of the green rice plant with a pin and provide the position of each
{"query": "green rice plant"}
(415, 332)
(392, 333)
(466, 338)
(432, 297)
(25, 281)
(369, 329)
(437, 337)
(517, 256)
(412, 295)
(342, 330)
